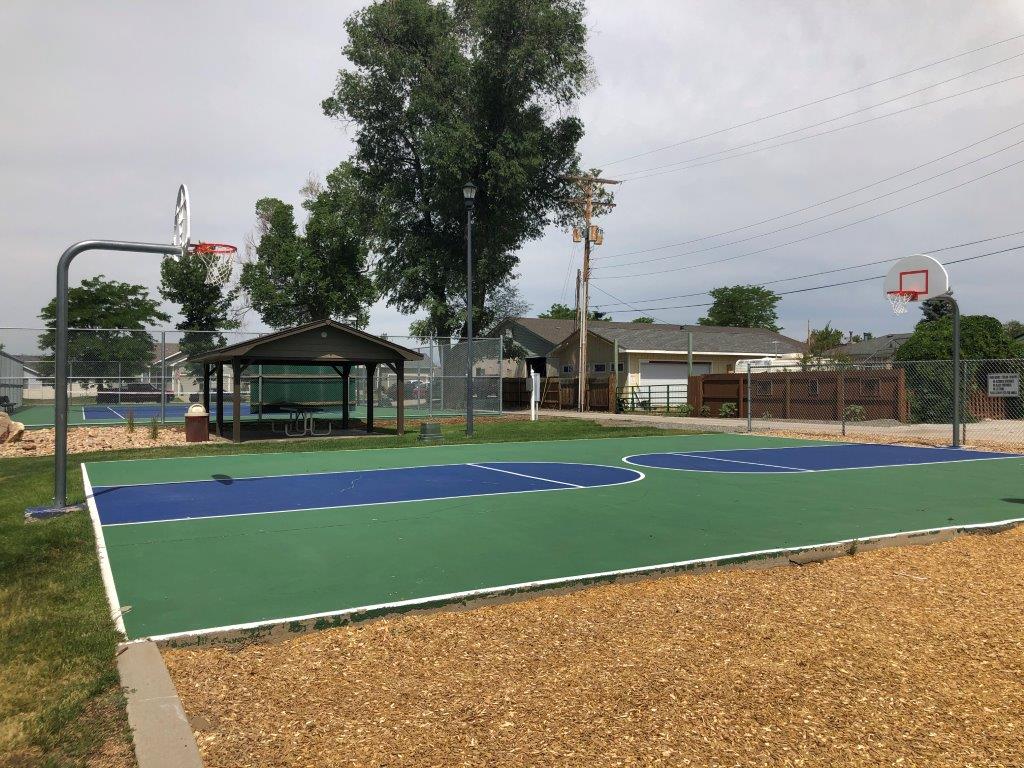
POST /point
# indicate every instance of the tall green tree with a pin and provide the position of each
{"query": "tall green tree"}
(503, 304)
(981, 338)
(108, 319)
(441, 93)
(205, 308)
(743, 306)
(821, 343)
(1015, 328)
(643, 319)
(562, 312)
(297, 277)
(934, 309)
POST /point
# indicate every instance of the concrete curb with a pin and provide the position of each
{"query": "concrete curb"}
(161, 731)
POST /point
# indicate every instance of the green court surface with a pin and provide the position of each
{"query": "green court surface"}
(182, 576)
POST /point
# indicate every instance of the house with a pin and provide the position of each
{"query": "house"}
(876, 349)
(659, 354)
(535, 338)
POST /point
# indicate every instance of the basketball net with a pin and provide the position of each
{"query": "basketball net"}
(219, 260)
(900, 301)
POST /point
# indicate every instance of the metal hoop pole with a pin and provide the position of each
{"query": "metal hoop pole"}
(948, 298)
(60, 442)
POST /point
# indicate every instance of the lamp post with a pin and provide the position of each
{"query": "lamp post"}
(469, 195)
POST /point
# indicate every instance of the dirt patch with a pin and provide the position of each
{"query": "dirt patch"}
(909, 656)
(39, 442)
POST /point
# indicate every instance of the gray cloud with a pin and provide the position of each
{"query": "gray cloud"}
(108, 106)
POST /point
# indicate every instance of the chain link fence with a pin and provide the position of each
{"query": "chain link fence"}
(895, 402)
(147, 374)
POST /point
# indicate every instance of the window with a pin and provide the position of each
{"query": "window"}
(600, 367)
(621, 369)
(479, 372)
(567, 369)
(812, 388)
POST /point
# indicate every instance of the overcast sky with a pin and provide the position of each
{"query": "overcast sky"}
(108, 106)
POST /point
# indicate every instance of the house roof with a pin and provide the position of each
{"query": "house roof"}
(321, 342)
(662, 337)
(878, 347)
(556, 330)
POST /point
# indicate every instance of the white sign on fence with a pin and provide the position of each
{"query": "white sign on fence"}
(1004, 385)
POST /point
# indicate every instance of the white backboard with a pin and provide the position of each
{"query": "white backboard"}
(920, 274)
(182, 233)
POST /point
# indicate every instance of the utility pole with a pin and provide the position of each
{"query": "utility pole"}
(591, 235)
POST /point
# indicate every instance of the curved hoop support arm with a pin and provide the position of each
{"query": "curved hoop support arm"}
(60, 447)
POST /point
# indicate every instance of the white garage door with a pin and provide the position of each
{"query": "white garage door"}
(669, 373)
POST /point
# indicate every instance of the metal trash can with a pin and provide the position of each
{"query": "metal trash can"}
(197, 424)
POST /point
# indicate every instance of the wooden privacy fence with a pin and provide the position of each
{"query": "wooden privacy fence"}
(560, 394)
(823, 395)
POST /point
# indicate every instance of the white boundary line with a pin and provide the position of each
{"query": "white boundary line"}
(119, 416)
(101, 554)
(737, 461)
(456, 596)
(626, 460)
(221, 456)
(352, 471)
(529, 477)
(638, 477)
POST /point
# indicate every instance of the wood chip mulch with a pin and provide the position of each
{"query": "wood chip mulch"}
(39, 442)
(911, 656)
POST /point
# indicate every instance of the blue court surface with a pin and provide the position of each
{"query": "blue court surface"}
(809, 458)
(147, 411)
(224, 496)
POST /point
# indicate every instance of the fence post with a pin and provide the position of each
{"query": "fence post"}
(501, 374)
(956, 372)
(750, 400)
(163, 376)
(120, 385)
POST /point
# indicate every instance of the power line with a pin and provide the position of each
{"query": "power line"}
(835, 285)
(568, 270)
(669, 169)
(812, 103)
(813, 205)
(810, 274)
(815, 234)
(874, 199)
(628, 305)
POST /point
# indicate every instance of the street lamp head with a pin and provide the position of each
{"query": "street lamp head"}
(469, 193)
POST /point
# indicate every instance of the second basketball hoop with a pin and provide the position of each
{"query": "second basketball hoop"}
(915, 278)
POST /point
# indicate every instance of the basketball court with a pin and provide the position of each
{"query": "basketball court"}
(225, 545)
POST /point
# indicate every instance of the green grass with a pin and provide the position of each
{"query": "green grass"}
(59, 695)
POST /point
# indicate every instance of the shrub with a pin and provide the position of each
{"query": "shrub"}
(767, 415)
(727, 410)
(684, 410)
(855, 413)
(154, 429)
(129, 420)
(704, 410)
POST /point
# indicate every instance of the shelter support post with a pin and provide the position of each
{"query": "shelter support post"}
(346, 374)
(207, 370)
(220, 399)
(236, 401)
(370, 369)
(400, 395)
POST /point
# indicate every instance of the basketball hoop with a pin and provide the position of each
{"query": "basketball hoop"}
(900, 300)
(219, 259)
